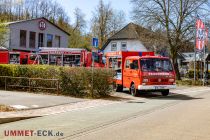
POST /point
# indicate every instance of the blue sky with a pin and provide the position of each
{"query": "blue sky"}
(88, 6)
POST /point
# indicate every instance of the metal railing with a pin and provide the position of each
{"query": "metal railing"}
(29, 83)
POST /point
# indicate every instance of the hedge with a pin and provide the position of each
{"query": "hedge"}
(73, 81)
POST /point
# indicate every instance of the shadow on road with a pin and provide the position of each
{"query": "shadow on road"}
(171, 96)
(116, 98)
(157, 95)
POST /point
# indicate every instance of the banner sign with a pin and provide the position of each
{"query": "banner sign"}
(200, 35)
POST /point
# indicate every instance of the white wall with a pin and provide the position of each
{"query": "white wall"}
(132, 45)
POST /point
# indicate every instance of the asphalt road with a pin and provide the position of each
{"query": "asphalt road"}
(24, 100)
(183, 115)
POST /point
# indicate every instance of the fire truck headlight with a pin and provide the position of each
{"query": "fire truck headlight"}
(145, 80)
(171, 80)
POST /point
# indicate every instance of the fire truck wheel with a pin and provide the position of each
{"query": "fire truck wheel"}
(133, 90)
(165, 92)
(119, 88)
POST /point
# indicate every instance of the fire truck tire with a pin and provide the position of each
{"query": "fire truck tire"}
(133, 90)
(165, 92)
(119, 88)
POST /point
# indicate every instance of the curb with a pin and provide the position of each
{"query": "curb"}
(13, 119)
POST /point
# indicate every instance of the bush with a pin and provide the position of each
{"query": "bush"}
(82, 82)
(73, 81)
(189, 82)
(190, 74)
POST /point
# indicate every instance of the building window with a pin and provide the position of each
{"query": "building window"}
(123, 46)
(57, 41)
(114, 47)
(49, 40)
(41, 40)
(23, 34)
(32, 39)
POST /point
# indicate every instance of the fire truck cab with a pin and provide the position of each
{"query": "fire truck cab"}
(142, 71)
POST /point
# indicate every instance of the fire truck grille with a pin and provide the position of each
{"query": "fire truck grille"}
(158, 81)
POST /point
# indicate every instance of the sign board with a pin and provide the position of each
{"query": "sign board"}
(95, 42)
(42, 25)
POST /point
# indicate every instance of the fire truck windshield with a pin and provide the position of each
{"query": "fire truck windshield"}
(156, 65)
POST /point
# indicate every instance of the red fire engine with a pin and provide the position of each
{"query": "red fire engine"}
(12, 57)
(53, 56)
(142, 71)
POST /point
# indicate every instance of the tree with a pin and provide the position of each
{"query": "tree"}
(116, 22)
(101, 17)
(3, 35)
(176, 18)
(80, 23)
(78, 28)
(106, 21)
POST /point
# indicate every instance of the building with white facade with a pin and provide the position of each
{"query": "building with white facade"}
(135, 38)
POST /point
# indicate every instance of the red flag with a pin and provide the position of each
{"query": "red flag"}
(200, 34)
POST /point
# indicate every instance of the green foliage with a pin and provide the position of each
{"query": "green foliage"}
(3, 35)
(189, 82)
(190, 74)
(73, 81)
(84, 82)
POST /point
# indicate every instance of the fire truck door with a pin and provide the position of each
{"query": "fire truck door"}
(131, 73)
(127, 74)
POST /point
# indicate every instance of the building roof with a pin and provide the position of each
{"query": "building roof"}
(133, 31)
(190, 56)
(19, 21)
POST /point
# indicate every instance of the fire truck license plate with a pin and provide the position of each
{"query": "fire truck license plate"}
(159, 87)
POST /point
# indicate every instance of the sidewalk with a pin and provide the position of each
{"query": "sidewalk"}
(25, 100)
(25, 114)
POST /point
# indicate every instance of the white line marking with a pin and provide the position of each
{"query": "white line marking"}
(19, 106)
(34, 105)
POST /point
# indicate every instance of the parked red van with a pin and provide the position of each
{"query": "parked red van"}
(142, 72)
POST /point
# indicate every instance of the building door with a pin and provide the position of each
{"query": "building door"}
(41, 40)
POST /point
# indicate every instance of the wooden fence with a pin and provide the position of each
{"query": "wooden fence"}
(29, 83)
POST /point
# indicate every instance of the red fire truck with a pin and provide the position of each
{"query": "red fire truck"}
(53, 56)
(12, 57)
(141, 71)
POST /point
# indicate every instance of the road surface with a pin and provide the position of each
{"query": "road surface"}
(183, 115)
